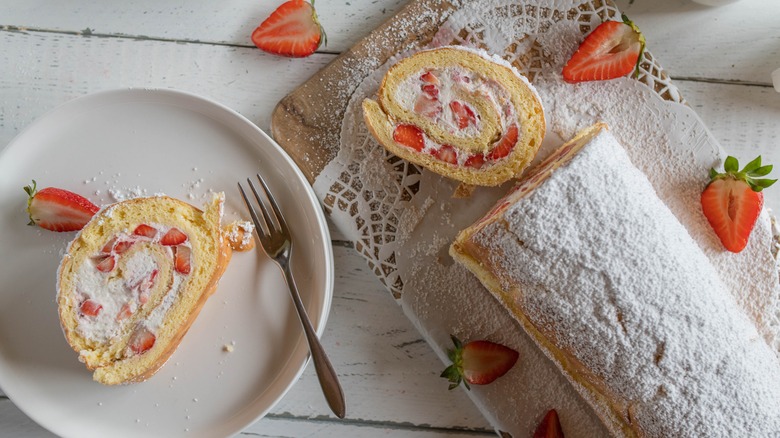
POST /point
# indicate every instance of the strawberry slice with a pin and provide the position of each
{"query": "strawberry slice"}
(141, 340)
(57, 209)
(124, 312)
(409, 136)
(428, 106)
(174, 236)
(475, 161)
(181, 259)
(90, 308)
(293, 30)
(123, 246)
(733, 200)
(447, 153)
(463, 114)
(504, 146)
(105, 262)
(429, 78)
(478, 362)
(145, 231)
(550, 427)
(109, 246)
(431, 90)
(612, 50)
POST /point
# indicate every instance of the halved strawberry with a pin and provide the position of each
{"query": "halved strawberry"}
(145, 231)
(733, 200)
(550, 427)
(463, 114)
(174, 236)
(141, 340)
(105, 262)
(612, 50)
(123, 246)
(504, 146)
(90, 308)
(410, 136)
(447, 153)
(57, 209)
(293, 29)
(478, 362)
(181, 259)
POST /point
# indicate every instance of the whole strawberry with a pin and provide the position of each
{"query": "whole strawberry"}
(57, 209)
(732, 201)
(612, 50)
(478, 362)
(293, 30)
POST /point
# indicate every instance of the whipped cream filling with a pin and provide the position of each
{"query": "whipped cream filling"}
(118, 290)
(455, 83)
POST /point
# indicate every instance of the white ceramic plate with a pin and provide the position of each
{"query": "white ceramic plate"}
(129, 142)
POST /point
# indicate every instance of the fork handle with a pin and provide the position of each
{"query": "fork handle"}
(325, 373)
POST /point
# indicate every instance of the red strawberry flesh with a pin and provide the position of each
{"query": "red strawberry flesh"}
(612, 50)
(291, 30)
(732, 208)
(90, 308)
(145, 231)
(174, 236)
(105, 263)
(58, 210)
(447, 153)
(141, 340)
(504, 146)
(485, 361)
(409, 136)
(181, 259)
(463, 114)
(550, 427)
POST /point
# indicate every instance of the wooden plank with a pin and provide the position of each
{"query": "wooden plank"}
(40, 70)
(229, 23)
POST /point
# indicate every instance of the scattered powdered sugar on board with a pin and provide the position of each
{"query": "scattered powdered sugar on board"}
(418, 217)
(638, 303)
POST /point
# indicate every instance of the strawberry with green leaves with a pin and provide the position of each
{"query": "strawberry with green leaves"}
(612, 50)
(732, 201)
(293, 30)
(478, 362)
(57, 209)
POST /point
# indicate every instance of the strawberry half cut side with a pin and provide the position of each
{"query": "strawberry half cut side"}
(612, 50)
(57, 209)
(478, 362)
(732, 201)
(292, 30)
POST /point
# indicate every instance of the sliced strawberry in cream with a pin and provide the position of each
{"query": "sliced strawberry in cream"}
(141, 340)
(431, 90)
(504, 146)
(475, 161)
(447, 153)
(429, 78)
(173, 237)
(409, 136)
(427, 106)
(123, 246)
(90, 308)
(181, 259)
(105, 262)
(463, 114)
(145, 231)
(125, 312)
(109, 246)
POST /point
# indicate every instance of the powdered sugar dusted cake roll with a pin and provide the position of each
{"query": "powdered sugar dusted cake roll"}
(460, 113)
(133, 281)
(601, 274)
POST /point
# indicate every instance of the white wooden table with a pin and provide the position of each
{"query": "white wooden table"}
(53, 51)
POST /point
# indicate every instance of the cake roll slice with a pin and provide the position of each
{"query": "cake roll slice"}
(459, 112)
(133, 281)
(614, 290)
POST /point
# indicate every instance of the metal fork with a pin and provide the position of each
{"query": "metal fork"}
(276, 241)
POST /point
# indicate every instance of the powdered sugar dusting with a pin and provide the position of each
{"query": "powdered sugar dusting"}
(405, 217)
(638, 302)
